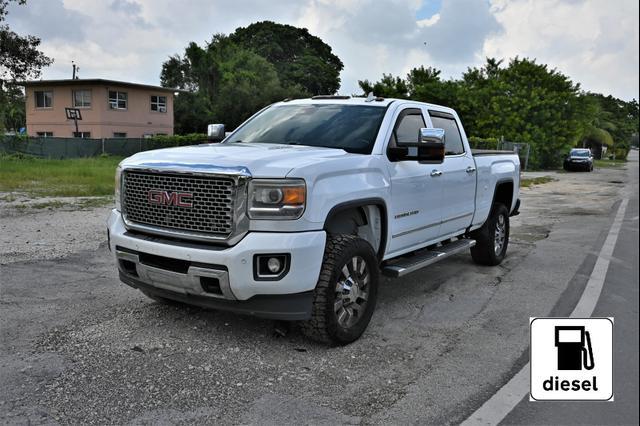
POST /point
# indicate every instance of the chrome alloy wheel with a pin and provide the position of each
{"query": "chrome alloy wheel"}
(500, 234)
(352, 292)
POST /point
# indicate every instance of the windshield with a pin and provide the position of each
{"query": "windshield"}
(579, 153)
(349, 127)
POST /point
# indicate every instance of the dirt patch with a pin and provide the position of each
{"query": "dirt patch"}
(50, 227)
(530, 233)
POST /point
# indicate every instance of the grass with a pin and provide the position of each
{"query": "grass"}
(609, 163)
(528, 182)
(77, 177)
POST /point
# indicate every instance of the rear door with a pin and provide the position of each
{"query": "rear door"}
(416, 195)
(458, 176)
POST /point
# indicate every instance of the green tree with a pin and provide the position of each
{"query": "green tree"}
(12, 108)
(425, 85)
(388, 87)
(525, 102)
(300, 58)
(248, 82)
(19, 59)
(614, 123)
(234, 76)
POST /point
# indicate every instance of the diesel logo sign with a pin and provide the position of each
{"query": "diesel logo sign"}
(572, 359)
(166, 198)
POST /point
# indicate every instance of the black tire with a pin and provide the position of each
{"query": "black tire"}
(328, 323)
(486, 252)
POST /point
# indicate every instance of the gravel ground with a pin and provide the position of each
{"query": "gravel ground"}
(49, 228)
(79, 347)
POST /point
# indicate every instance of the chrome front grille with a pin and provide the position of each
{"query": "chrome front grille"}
(149, 199)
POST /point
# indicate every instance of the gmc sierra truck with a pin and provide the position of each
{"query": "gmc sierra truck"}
(296, 213)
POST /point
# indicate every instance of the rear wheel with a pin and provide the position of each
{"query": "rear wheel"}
(492, 238)
(346, 293)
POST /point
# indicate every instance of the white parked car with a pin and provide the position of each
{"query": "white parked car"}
(295, 214)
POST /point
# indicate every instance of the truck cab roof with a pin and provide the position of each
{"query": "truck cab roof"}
(350, 100)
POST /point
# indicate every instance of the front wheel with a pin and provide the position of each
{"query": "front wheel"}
(492, 238)
(346, 293)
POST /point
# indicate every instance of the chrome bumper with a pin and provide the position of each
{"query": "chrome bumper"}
(189, 283)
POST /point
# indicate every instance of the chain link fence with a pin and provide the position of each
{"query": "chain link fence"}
(522, 149)
(79, 147)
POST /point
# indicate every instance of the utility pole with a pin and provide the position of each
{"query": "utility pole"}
(75, 70)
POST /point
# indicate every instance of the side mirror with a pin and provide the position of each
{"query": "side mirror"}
(431, 146)
(215, 132)
(428, 149)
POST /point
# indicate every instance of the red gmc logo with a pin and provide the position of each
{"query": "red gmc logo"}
(166, 198)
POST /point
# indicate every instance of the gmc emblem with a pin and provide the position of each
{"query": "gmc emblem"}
(166, 198)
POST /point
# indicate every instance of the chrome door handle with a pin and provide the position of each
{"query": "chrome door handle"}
(471, 169)
(435, 173)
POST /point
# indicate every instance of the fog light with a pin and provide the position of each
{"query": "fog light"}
(274, 265)
(270, 267)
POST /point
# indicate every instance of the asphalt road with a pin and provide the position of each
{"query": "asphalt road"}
(619, 299)
(76, 346)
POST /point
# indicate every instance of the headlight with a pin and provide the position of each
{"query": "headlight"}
(118, 184)
(276, 198)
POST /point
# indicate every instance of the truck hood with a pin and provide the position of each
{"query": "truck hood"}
(259, 160)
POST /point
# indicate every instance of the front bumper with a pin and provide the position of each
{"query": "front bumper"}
(231, 267)
(288, 307)
(577, 164)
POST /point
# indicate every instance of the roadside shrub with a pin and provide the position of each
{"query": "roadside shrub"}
(180, 140)
(621, 153)
(483, 143)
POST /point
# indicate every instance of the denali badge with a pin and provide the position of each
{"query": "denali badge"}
(166, 198)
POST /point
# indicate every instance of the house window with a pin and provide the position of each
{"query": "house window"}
(117, 100)
(82, 98)
(84, 135)
(119, 135)
(158, 103)
(44, 99)
(45, 134)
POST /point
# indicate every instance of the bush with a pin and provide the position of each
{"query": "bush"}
(181, 140)
(483, 143)
(621, 153)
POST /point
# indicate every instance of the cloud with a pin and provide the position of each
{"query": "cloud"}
(374, 37)
(592, 42)
(50, 18)
(459, 33)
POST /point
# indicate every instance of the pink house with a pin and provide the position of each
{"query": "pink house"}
(109, 109)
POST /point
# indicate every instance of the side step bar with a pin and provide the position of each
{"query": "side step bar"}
(404, 266)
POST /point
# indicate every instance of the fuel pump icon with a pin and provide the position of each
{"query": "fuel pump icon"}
(572, 353)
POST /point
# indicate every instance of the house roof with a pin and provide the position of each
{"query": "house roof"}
(95, 81)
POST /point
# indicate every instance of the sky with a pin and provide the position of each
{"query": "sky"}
(595, 42)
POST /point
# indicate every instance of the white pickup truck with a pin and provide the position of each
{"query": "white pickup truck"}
(295, 214)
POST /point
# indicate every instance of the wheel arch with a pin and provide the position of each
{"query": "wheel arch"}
(354, 211)
(504, 193)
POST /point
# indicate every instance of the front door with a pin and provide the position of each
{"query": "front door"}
(416, 192)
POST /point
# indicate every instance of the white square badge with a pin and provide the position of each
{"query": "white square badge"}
(571, 359)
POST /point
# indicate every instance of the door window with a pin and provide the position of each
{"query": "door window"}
(408, 129)
(452, 139)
